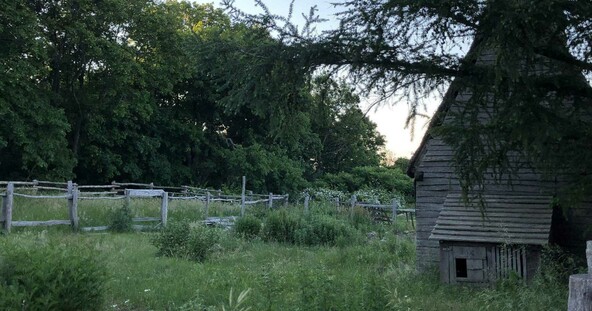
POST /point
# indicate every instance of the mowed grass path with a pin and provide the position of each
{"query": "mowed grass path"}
(375, 275)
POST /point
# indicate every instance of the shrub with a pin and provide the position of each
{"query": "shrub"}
(121, 219)
(180, 239)
(247, 227)
(323, 230)
(51, 277)
(171, 241)
(281, 226)
(201, 242)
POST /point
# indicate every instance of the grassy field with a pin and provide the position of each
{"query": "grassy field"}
(375, 273)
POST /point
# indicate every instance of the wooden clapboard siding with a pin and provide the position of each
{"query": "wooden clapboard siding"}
(486, 262)
(434, 160)
(437, 183)
(439, 180)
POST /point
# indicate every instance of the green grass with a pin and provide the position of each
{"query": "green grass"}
(377, 275)
(371, 274)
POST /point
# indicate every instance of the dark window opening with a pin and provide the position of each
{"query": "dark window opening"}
(461, 267)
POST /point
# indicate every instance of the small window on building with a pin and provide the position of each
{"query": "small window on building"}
(461, 267)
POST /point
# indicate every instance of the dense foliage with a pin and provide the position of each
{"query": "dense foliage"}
(50, 275)
(167, 92)
(410, 49)
(185, 240)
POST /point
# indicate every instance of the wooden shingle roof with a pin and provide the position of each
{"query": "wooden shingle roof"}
(508, 219)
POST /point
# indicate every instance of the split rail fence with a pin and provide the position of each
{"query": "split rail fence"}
(73, 193)
(378, 212)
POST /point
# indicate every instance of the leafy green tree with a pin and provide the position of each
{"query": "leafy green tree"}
(388, 180)
(409, 49)
(348, 137)
(169, 92)
(32, 131)
(402, 164)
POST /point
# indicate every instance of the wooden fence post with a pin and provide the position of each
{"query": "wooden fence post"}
(73, 205)
(35, 186)
(128, 199)
(351, 207)
(580, 286)
(7, 203)
(270, 201)
(164, 208)
(306, 201)
(243, 196)
(395, 206)
(208, 198)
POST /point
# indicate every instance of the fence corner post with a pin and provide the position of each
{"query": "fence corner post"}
(128, 199)
(208, 198)
(352, 206)
(306, 201)
(244, 188)
(395, 207)
(286, 200)
(73, 204)
(164, 208)
(7, 203)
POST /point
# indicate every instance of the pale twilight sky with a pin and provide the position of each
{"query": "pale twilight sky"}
(389, 118)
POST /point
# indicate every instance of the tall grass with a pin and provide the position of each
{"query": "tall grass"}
(375, 271)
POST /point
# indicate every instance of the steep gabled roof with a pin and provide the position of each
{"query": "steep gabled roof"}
(479, 54)
(507, 219)
(447, 101)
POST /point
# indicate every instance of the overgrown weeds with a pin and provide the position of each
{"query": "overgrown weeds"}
(121, 219)
(42, 274)
(248, 227)
(186, 240)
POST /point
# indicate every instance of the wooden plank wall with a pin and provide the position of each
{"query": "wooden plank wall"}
(439, 179)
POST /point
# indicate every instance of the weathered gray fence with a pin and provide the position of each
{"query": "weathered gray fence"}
(70, 194)
(379, 212)
(73, 193)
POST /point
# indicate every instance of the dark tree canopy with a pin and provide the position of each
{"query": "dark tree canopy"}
(407, 49)
(166, 92)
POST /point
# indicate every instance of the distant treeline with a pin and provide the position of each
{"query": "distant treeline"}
(168, 92)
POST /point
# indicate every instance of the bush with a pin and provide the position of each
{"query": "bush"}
(201, 242)
(281, 226)
(180, 239)
(121, 219)
(323, 230)
(171, 241)
(385, 181)
(51, 277)
(247, 227)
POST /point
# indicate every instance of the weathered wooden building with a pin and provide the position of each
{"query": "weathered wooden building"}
(473, 245)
